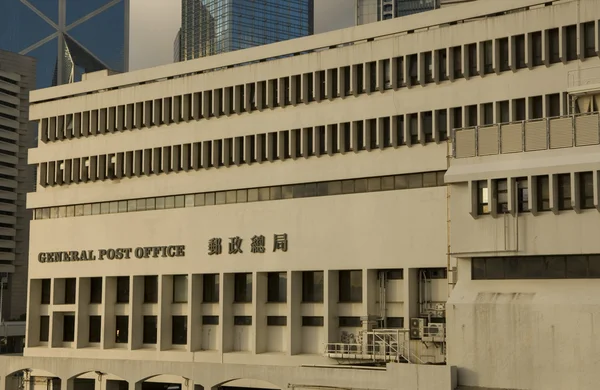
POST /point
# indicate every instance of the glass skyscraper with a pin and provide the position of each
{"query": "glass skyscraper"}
(211, 27)
(369, 11)
(67, 37)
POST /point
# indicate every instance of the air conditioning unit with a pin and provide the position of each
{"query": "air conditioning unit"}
(417, 326)
(434, 333)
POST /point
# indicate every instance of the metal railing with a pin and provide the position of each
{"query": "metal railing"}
(527, 136)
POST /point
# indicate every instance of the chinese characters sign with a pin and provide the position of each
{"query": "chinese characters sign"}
(258, 244)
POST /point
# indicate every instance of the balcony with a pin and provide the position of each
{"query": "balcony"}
(527, 136)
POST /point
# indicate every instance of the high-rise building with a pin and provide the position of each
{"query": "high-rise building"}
(211, 27)
(17, 78)
(67, 37)
(369, 11)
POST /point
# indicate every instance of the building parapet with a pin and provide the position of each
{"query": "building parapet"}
(527, 136)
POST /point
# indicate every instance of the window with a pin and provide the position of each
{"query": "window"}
(413, 71)
(502, 196)
(589, 40)
(427, 123)
(536, 267)
(68, 327)
(179, 330)
(243, 288)
(503, 112)
(95, 290)
(442, 123)
(180, 288)
(543, 193)
(45, 299)
(520, 51)
(457, 62)
(553, 46)
(95, 329)
(242, 320)
(122, 329)
(586, 190)
(312, 286)
(70, 290)
(519, 109)
(472, 52)
(536, 42)
(428, 66)
(442, 64)
(395, 322)
(349, 322)
(488, 55)
(554, 105)
(276, 287)
(151, 289)
(483, 201)
(564, 191)
(536, 107)
(149, 330)
(350, 286)
(210, 320)
(503, 54)
(488, 113)
(571, 42)
(276, 321)
(471, 115)
(312, 321)
(123, 289)
(44, 328)
(522, 194)
(210, 288)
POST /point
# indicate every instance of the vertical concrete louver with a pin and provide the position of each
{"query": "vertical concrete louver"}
(17, 135)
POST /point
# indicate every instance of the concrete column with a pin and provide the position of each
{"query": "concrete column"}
(197, 106)
(206, 106)
(227, 98)
(465, 62)
(67, 383)
(330, 306)
(294, 314)
(370, 293)
(225, 331)
(562, 44)
(136, 320)
(259, 320)
(195, 312)
(411, 293)
(512, 54)
(355, 88)
(545, 48)
(217, 102)
(436, 66)
(165, 322)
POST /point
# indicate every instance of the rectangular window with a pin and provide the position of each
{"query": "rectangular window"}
(45, 299)
(68, 327)
(589, 40)
(427, 123)
(350, 286)
(472, 53)
(44, 328)
(413, 71)
(488, 57)
(571, 41)
(442, 125)
(277, 287)
(349, 322)
(179, 330)
(122, 330)
(519, 109)
(243, 288)
(276, 320)
(180, 288)
(586, 190)
(457, 62)
(442, 64)
(312, 286)
(428, 67)
(394, 274)
(95, 290)
(70, 290)
(95, 329)
(503, 54)
(536, 43)
(210, 288)
(564, 191)
(151, 289)
(312, 321)
(471, 115)
(537, 103)
(488, 113)
(543, 193)
(522, 194)
(503, 112)
(400, 72)
(483, 200)
(123, 289)
(520, 51)
(502, 196)
(553, 46)
(536, 267)
(150, 329)
(242, 320)
(210, 320)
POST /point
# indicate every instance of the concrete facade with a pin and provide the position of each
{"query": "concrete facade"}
(276, 217)
(17, 78)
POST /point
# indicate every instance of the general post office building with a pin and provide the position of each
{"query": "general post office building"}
(411, 204)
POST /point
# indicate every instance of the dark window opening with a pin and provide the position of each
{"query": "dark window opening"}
(312, 286)
(564, 191)
(350, 286)
(543, 193)
(149, 329)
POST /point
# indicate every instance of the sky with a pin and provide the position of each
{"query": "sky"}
(154, 24)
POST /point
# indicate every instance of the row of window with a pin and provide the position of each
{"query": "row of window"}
(469, 60)
(179, 325)
(349, 288)
(536, 267)
(294, 191)
(539, 188)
